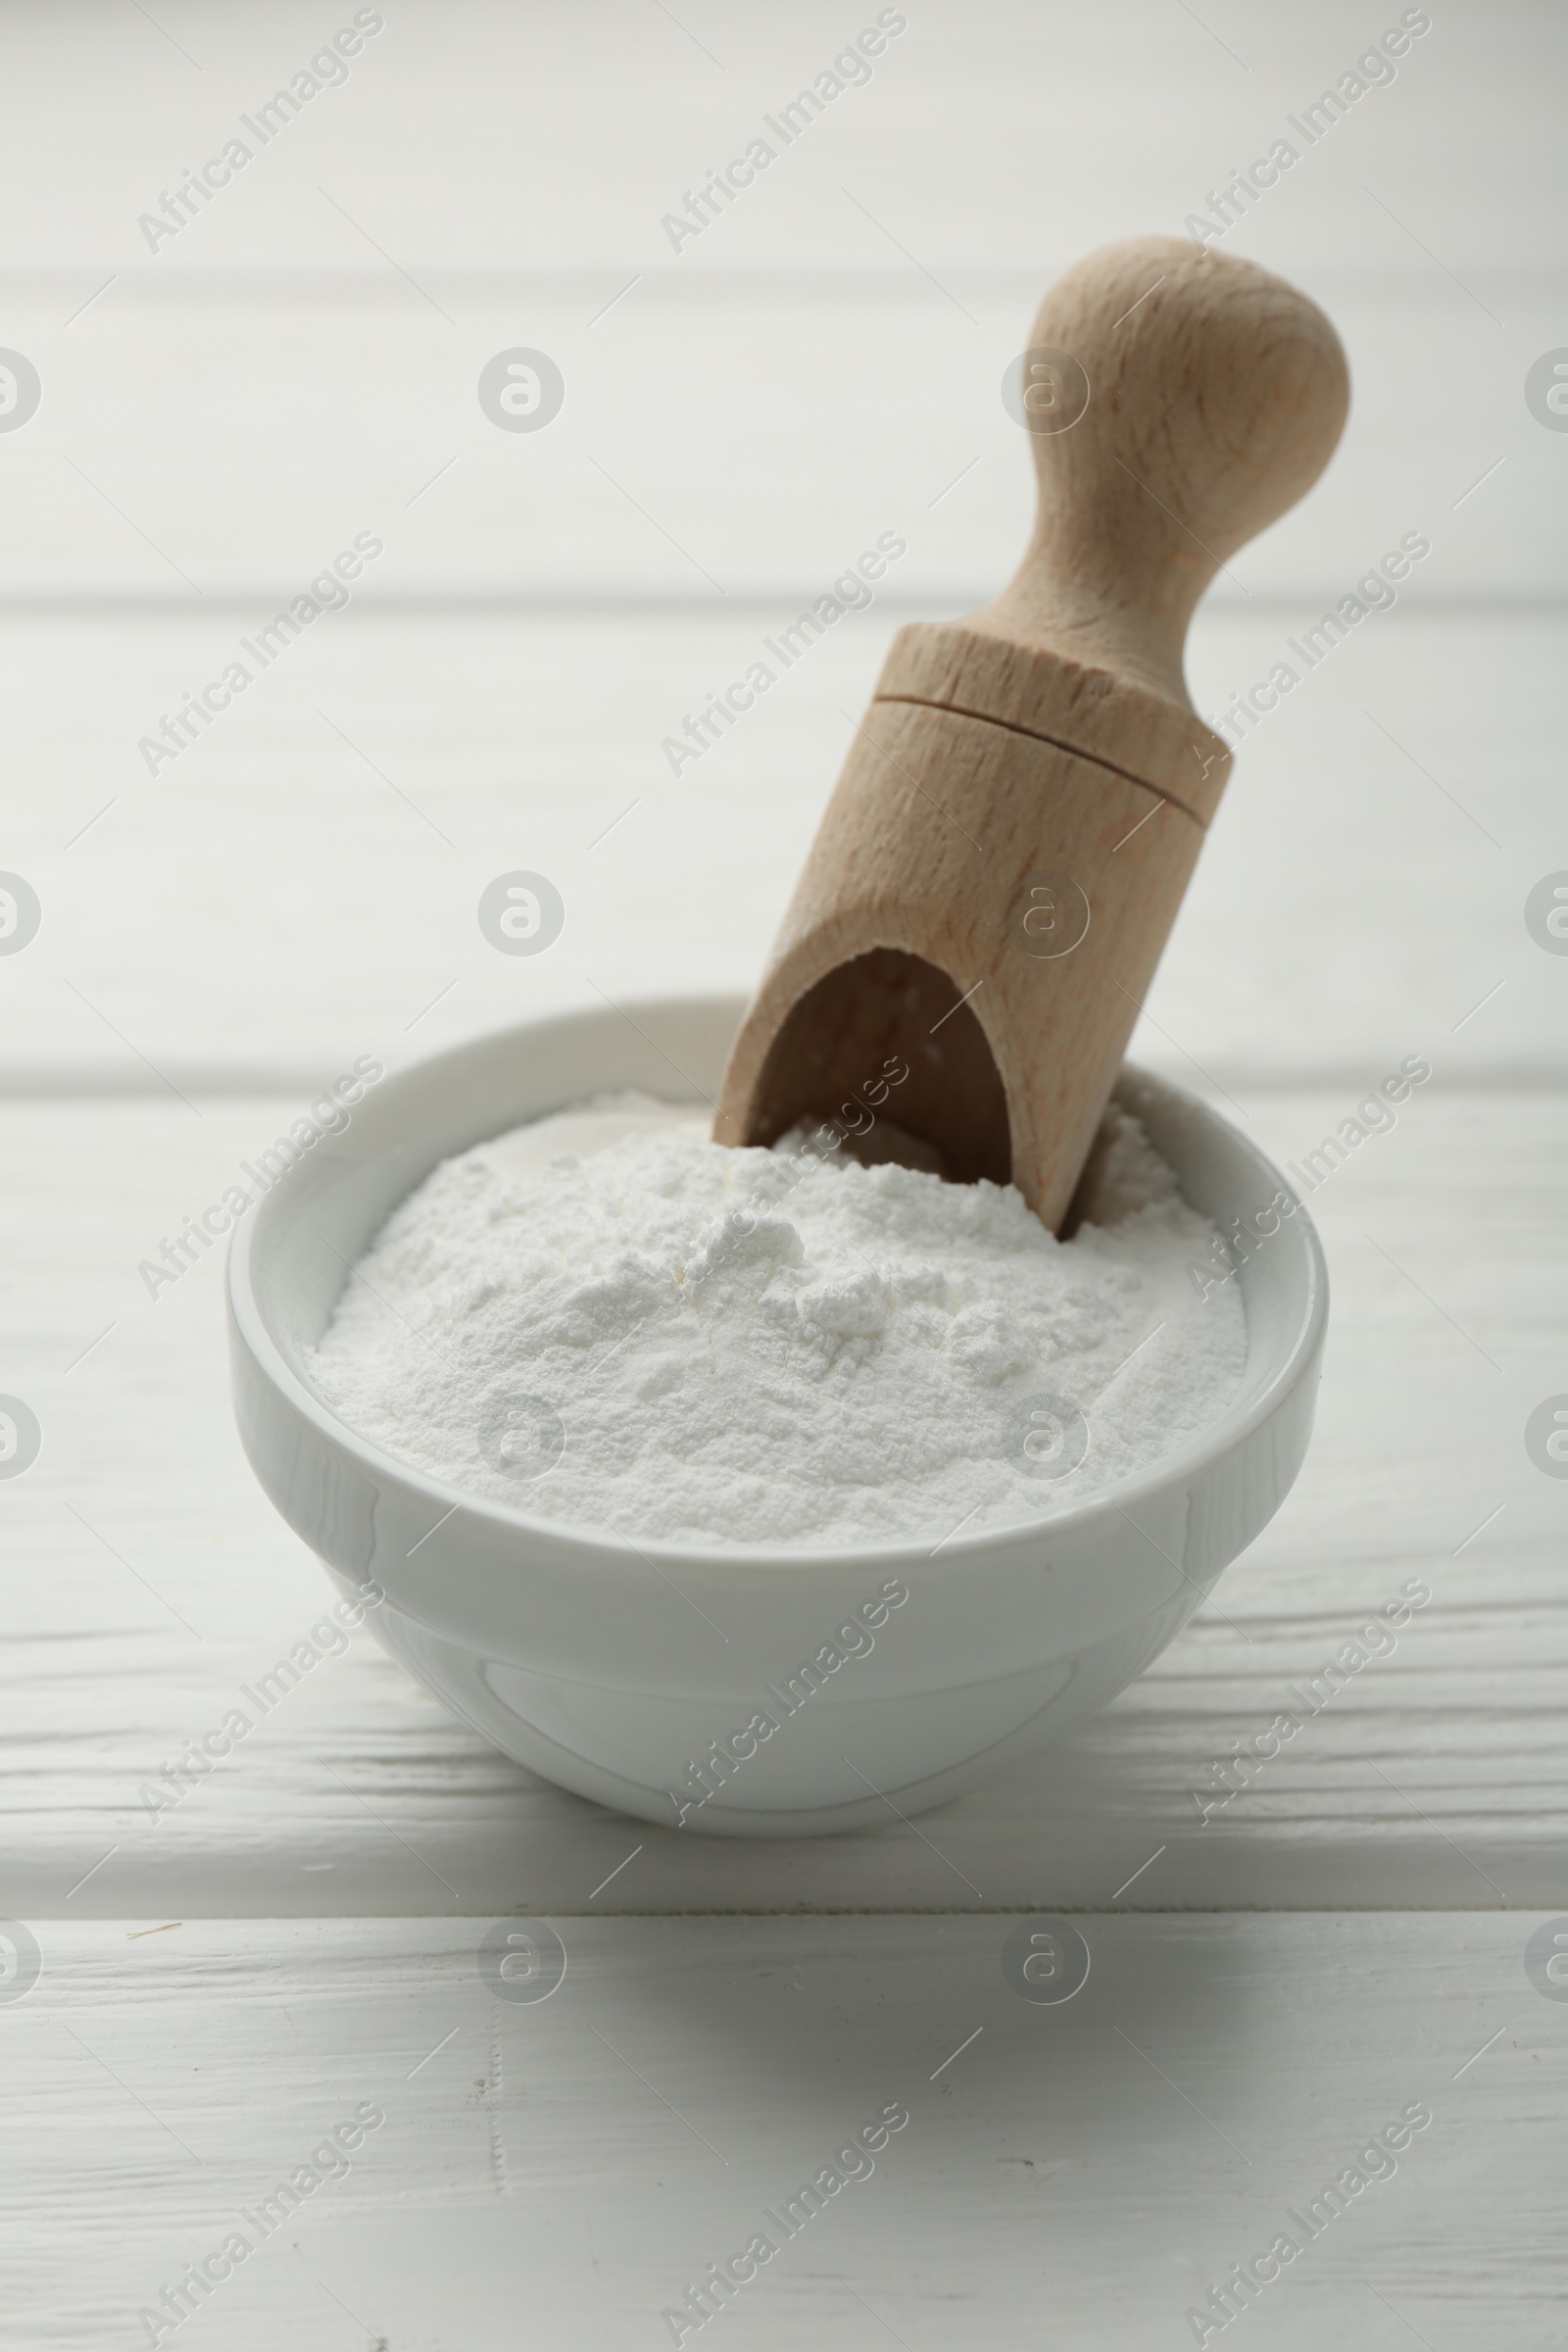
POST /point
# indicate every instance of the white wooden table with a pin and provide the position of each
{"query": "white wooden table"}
(225, 1982)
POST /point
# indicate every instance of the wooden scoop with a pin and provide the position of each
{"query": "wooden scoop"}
(994, 876)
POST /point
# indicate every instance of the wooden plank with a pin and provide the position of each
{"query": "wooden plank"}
(302, 358)
(149, 1580)
(216, 446)
(318, 855)
(559, 2171)
(519, 139)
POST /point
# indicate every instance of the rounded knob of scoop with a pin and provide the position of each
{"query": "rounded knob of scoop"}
(1178, 401)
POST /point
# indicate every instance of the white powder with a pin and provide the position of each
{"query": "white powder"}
(608, 1319)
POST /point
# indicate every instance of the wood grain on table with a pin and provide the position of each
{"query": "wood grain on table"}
(218, 416)
(562, 2171)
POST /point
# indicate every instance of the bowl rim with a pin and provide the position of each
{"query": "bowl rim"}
(1205, 1447)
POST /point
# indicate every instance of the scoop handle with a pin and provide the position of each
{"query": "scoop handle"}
(1178, 399)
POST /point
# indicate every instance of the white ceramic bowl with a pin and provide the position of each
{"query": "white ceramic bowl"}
(597, 1662)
